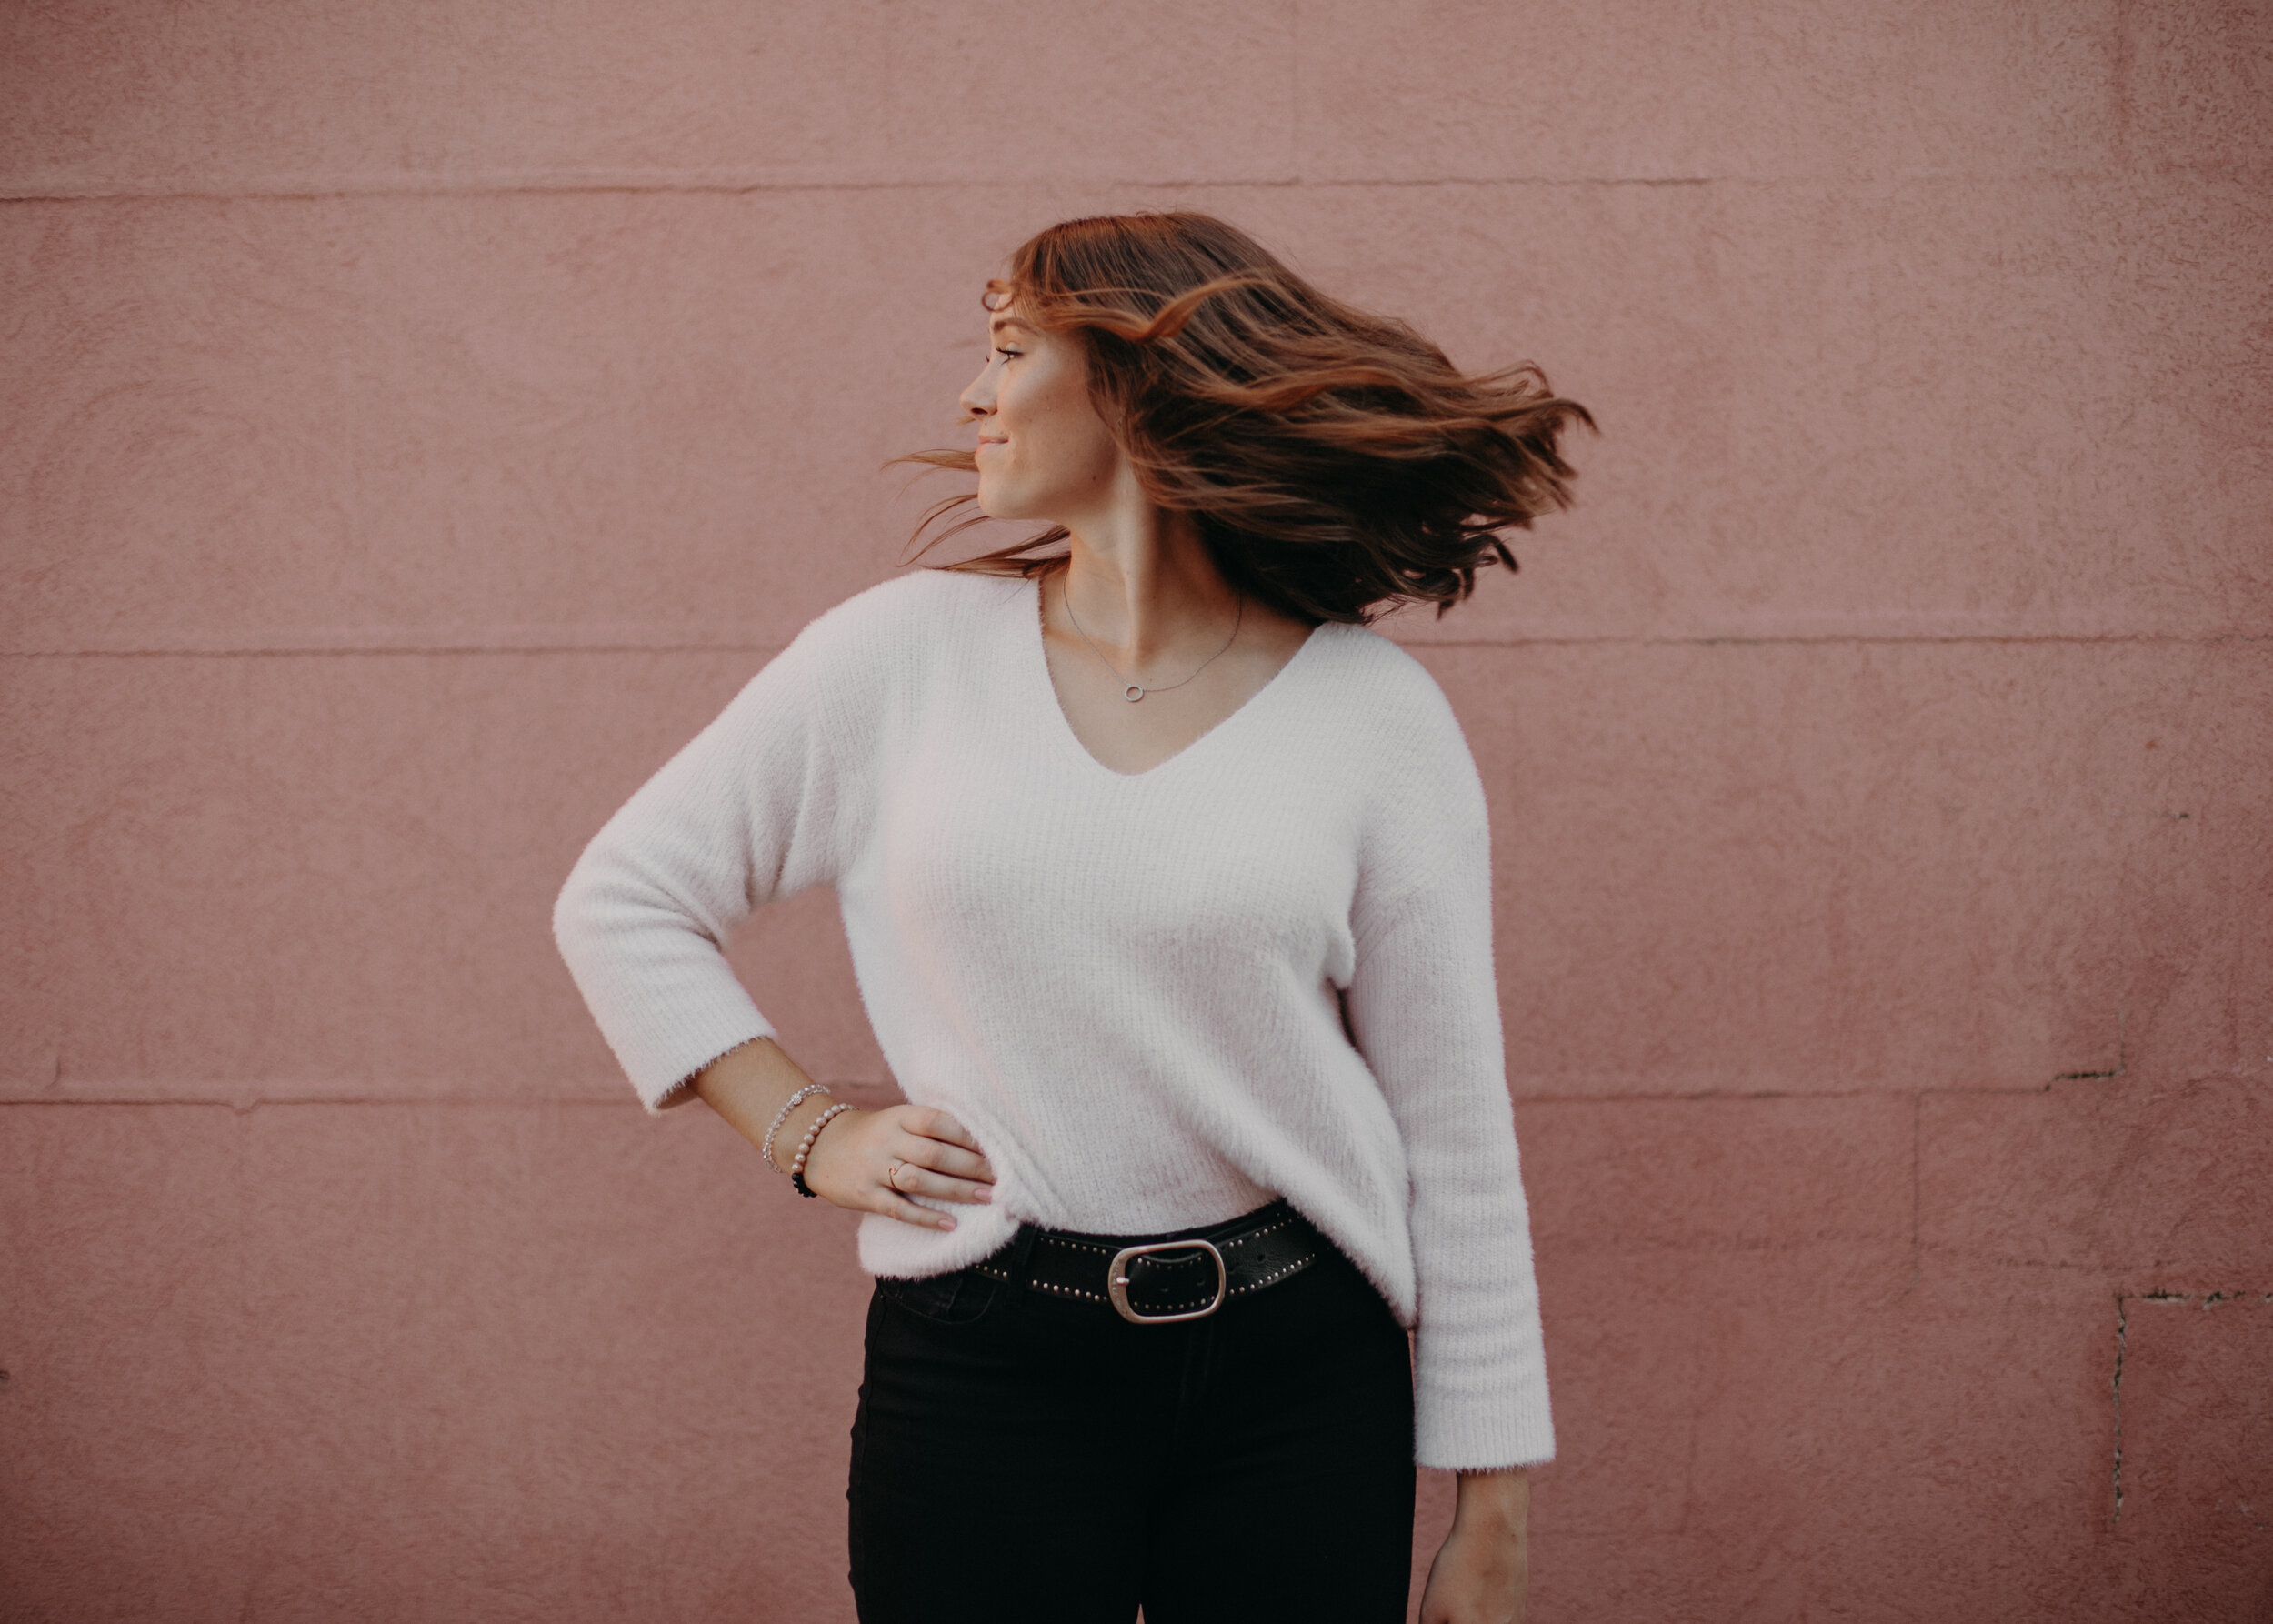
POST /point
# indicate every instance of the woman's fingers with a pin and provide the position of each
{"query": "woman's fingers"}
(877, 1161)
(935, 1124)
(912, 1179)
(940, 1157)
(910, 1212)
(850, 1162)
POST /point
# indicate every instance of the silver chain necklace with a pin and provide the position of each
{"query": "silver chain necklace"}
(1134, 691)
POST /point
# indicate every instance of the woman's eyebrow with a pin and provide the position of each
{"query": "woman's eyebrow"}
(1002, 324)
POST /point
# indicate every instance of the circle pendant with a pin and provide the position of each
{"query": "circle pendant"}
(1134, 694)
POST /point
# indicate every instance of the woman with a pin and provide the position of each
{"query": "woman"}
(1168, 886)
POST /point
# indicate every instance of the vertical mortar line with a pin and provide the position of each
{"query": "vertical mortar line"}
(2119, 90)
(1294, 91)
(1917, 1159)
(2122, 1331)
(240, 1156)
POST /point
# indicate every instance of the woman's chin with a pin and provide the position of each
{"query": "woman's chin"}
(1001, 504)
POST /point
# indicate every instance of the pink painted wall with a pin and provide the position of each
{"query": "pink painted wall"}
(416, 419)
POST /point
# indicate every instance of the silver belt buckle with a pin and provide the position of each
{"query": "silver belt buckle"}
(1116, 1280)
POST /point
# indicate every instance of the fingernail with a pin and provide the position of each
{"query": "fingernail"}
(946, 1223)
(983, 1194)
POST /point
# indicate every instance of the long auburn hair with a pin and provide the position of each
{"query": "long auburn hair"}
(1333, 462)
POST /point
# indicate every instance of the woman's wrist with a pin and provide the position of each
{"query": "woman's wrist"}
(765, 1146)
(750, 1085)
(812, 1137)
(795, 1126)
(1499, 1500)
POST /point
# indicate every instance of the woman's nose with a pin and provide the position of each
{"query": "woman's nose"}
(977, 399)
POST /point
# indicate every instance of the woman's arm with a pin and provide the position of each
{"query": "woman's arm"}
(1482, 1574)
(867, 1161)
(1424, 1009)
(1423, 1003)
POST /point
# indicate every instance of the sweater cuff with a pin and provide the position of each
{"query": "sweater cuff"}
(1473, 1432)
(674, 1051)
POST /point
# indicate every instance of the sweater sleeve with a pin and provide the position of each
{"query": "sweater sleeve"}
(1424, 1007)
(747, 812)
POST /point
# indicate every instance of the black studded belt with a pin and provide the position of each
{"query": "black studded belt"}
(1157, 1280)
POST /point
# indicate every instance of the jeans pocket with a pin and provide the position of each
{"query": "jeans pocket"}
(961, 1298)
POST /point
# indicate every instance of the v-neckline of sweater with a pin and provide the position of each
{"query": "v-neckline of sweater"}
(1039, 664)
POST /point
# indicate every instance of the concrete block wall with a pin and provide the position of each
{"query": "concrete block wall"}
(416, 420)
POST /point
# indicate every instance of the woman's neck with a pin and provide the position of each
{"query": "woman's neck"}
(1142, 583)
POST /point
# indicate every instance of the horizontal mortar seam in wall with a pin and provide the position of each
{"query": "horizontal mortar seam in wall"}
(325, 190)
(125, 1093)
(616, 1096)
(1574, 1243)
(255, 1102)
(2097, 1268)
(360, 651)
(317, 189)
(735, 645)
(307, 188)
(1932, 1250)
(1686, 1095)
(1734, 640)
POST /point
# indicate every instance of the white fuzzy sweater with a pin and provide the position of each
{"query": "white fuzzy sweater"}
(1130, 988)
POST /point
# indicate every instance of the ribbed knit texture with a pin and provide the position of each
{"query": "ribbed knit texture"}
(1130, 988)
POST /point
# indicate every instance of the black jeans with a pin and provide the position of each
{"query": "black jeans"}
(1023, 1458)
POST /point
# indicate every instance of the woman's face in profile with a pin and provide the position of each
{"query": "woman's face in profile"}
(1043, 453)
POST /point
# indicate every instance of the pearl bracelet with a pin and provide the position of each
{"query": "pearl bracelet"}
(805, 1146)
(782, 1116)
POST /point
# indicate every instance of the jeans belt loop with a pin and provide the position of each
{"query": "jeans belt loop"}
(1021, 1256)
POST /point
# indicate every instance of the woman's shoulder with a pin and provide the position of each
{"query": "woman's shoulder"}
(1388, 692)
(1399, 750)
(900, 626)
(919, 606)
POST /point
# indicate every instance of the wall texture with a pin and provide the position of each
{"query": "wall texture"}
(418, 418)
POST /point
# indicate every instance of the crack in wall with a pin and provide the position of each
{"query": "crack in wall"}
(2122, 1335)
(2206, 1300)
(2122, 1055)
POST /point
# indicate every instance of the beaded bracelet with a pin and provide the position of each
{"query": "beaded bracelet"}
(782, 1116)
(805, 1146)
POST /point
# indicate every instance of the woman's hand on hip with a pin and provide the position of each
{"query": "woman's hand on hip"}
(1483, 1572)
(873, 1161)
